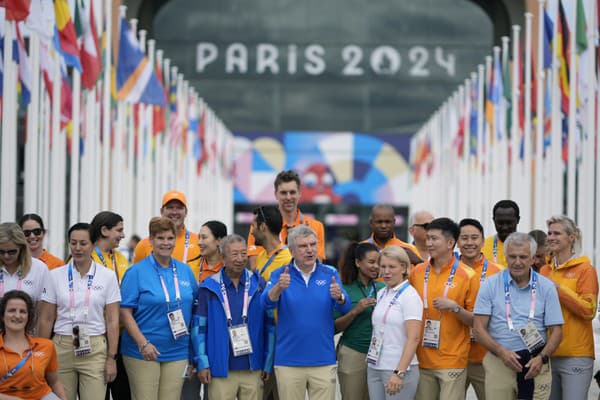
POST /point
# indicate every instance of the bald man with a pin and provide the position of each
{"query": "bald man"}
(417, 223)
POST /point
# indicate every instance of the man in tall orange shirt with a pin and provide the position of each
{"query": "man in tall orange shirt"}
(448, 289)
(287, 192)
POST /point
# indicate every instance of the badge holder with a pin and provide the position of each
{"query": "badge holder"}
(82, 344)
(374, 350)
(240, 340)
(431, 334)
(177, 324)
(531, 337)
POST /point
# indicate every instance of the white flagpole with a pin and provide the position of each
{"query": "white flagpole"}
(571, 165)
(75, 149)
(555, 184)
(32, 148)
(106, 109)
(55, 179)
(480, 170)
(527, 140)
(539, 201)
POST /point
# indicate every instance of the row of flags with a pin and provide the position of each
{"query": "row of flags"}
(523, 126)
(89, 83)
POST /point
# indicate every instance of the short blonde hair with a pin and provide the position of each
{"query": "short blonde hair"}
(11, 232)
(397, 253)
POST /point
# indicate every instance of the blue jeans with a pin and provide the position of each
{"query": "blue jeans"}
(377, 379)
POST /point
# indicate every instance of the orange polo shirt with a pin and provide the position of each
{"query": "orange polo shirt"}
(315, 225)
(144, 248)
(394, 241)
(477, 351)
(578, 294)
(50, 260)
(207, 270)
(455, 338)
(29, 382)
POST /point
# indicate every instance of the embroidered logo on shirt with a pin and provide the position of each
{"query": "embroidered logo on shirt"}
(27, 282)
(320, 282)
(185, 283)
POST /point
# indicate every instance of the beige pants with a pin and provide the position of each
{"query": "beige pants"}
(84, 373)
(152, 380)
(444, 384)
(292, 382)
(352, 372)
(476, 377)
(501, 381)
(243, 385)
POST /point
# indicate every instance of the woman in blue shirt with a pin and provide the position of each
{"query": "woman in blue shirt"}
(156, 309)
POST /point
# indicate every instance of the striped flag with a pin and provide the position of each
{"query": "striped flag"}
(90, 49)
(65, 38)
(24, 69)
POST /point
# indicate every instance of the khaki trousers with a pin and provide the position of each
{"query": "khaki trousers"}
(444, 384)
(243, 385)
(476, 377)
(83, 374)
(153, 380)
(292, 382)
(352, 373)
(501, 381)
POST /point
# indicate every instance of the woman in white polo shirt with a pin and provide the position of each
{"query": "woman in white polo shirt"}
(393, 371)
(80, 295)
(18, 270)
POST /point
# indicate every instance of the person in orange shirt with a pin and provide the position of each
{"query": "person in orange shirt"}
(382, 223)
(448, 289)
(287, 192)
(30, 366)
(541, 254)
(417, 223)
(577, 284)
(470, 242)
(33, 228)
(209, 240)
(174, 207)
(506, 217)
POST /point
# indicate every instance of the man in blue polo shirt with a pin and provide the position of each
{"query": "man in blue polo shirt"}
(513, 311)
(305, 293)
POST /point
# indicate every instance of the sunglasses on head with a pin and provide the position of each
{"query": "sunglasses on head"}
(36, 232)
(262, 214)
(11, 252)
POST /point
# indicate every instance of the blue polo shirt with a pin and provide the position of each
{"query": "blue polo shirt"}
(490, 301)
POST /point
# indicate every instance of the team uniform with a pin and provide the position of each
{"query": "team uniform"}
(315, 225)
(206, 270)
(114, 261)
(267, 263)
(446, 341)
(50, 260)
(32, 283)
(573, 360)
(493, 250)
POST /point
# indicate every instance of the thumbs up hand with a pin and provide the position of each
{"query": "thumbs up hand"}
(335, 290)
(284, 279)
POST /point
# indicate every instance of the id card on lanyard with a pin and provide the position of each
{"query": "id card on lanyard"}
(187, 246)
(19, 282)
(175, 317)
(432, 327)
(376, 345)
(82, 343)
(529, 333)
(239, 335)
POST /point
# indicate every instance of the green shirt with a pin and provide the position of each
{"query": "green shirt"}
(358, 335)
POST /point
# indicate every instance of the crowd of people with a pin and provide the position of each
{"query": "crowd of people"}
(509, 314)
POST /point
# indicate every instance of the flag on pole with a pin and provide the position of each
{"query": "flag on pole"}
(17, 10)
(496, 97)
(474, 117)
(136, 80)
(24, 69)
(564, 50)
(66, 96)
(90, 49)
(65, 38)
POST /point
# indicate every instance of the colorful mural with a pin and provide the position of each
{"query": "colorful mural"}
(344, 167)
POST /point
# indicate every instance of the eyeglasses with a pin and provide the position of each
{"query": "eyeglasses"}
(76, 336)
(11, 252)
(36, 232)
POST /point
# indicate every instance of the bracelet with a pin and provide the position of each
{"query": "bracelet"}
(142, 347)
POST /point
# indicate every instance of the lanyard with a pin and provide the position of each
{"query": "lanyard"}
(495, 249)
(226, 298)
(113, 259)
(483, 271)
(17, 367)
(162, 281)
(373, 243)
(448, 283)
(19, 282)
(187, 246)
(86, 302)
(372, 291)
(301, 220)
(507, 298)
(270, 260)
(390, 305)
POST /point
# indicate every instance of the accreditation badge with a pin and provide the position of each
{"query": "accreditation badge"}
(431, 334)
(82, 344)
(177, 324)
(374, 350)
(240, 340)
(531, 337)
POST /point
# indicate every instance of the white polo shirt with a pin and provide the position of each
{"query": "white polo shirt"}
(104, 290)
(32, 283)
(408, 306)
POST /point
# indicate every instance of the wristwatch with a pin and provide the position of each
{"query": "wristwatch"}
(456, 309)
(342, 298)
(545, 358)
(112, 356)
(400, 374)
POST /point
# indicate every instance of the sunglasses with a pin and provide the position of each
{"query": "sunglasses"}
(262, 214)
(76, 336)
(11, 252)
(36, 232)
(424, 226)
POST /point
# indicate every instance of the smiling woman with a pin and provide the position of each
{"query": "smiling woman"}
(33, 228)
